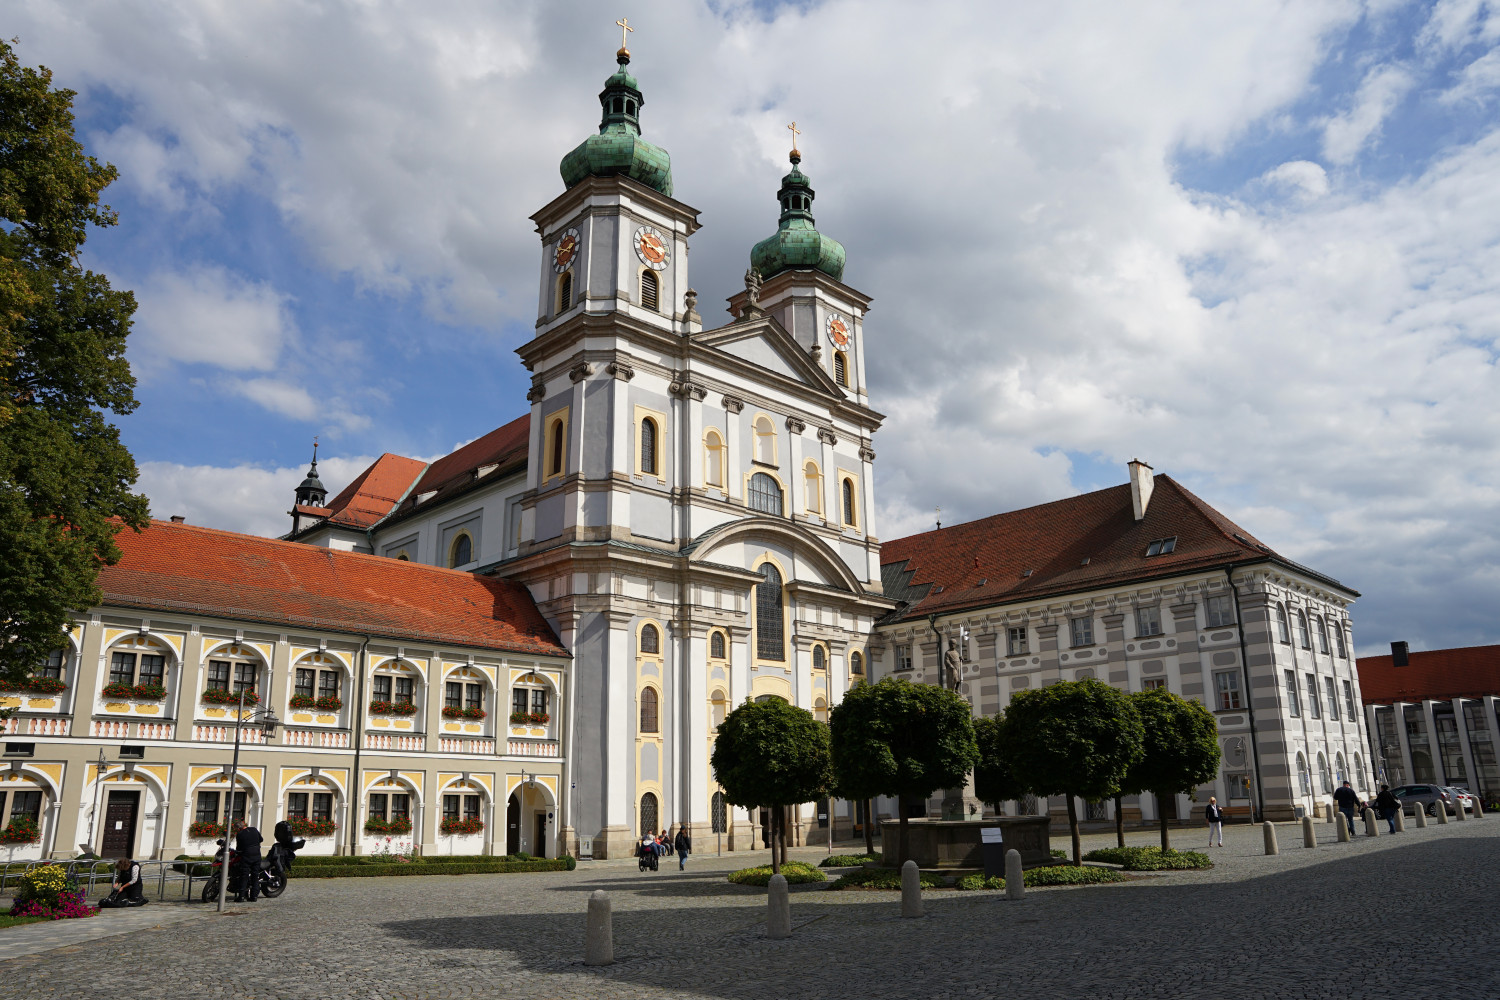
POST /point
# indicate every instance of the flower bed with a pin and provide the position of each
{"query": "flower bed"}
(327, 703)
(35, 685)
(213, 696)
(312, 827)
(402, 825)
(1150, 859)
(461, 826)
(464, 713)
(530, 718)
(205, 828)
(21, 830)
(50, 893)
(393, 708)
(796, 873)
(143, 692)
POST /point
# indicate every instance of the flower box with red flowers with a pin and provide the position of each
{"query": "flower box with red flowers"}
(22, 830)
(143, 692)
(529, 718)
(401, 825)
(35, 685)
(213, 696)
(312, 827)
(457, 826)
(205, 828)
(327, 703)
(464, 713)
(393, 708)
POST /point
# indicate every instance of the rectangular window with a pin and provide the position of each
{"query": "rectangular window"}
(400, 807)
(381, 688)
(26, 804)
(153, 669)
(218, 675)
(54, 665)
(1227, 690)
(453, 695)
(133, 752)
(1293, 705)
(208, 807)
(471, 807)
(328, 683)
(518, 700)
(473, 696)
(296, 805)
(20, 749)
(305, 678)
(539, 701)
(405, 688)
(903, 657)
(322, 805)
(1349, 699)
(377, 805)
(1152, 683)
(122, 668)
(1313, 711)
(451, 806)
(1082, 630)
(239, 804)
(1220, 609)
(1016, 642)
(1147, 621)
(1333, 698)
(245, 675)
(1237, 786)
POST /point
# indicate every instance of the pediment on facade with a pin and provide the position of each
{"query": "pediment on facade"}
(764, 342)
(752, 534)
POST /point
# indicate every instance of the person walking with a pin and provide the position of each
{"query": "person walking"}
(1387, 804)
(247, 842)
(1346, 802)
(1215, 816)
(684, 846)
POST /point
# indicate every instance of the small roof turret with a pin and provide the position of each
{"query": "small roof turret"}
(797, 244)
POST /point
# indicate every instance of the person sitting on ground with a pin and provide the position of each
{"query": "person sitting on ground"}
(126, 887)
(1388, 805)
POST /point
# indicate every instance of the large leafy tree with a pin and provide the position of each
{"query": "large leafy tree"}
(1181, 749)
(904, 740)
(995, 780)
(65, 477)
(772, 755)
(1073, 738)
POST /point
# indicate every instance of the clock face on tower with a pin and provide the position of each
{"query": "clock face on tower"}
(838, 331)
(565, 251)
(652, 248)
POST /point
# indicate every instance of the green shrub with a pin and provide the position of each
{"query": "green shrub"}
(571, 861)
(1069, 875)
(1058, 852)
(795, 871)
(1150, 859)
(971, 882)
(847, 860)
(881, 878)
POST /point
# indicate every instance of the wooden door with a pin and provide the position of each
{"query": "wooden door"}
(513, 826)
(539, 843)
(119, 824)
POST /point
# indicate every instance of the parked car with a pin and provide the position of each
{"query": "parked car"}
(1429, 797)
(1461, 796)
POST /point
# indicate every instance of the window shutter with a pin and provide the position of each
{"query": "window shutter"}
(649, 290)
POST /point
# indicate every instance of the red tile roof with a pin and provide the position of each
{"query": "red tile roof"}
(504, 447)
(1467, 672)
(1079, 543)
(375, 492)
(178, 567)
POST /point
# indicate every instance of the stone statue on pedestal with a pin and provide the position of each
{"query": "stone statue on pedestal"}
(953, 670)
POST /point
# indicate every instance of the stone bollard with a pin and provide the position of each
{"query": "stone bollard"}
(1015, 879)
(1269, 829)
(1442, 812)
(1420, 814)
(778, 909)
(1333, 814)
(598, 937)
(1309, 837)
(1372, 825)
(1458, 810)
(911, 890)
(1343, 830)
(1400, 819)
(1478, 808)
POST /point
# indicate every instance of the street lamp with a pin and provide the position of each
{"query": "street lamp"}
(268, 723)
(102, 764)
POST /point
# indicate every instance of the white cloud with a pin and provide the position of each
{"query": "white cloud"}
(245, 498)
(1478, 81)
(1345, 135)
(208, 315)
(1305, 178)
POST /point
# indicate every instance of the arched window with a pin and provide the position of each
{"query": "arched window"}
(840, 369)
(813, 483)
(765, 440)
(820, 710)
(820, 658)
(716, 645)
(648, 447)
(650, 290)
(648, 813)
(856, 663)
(713, 459)
(1281, 629)
(847, 491)
(719, 705)
(1340, 774)
(1323, 776)
(557, 434)
(461, 552)
(719, 813)
(650, 639)
(1338, 638)
(1302, 640)
(649, 716)
(1304, 780)
(402, 556)
(765, 494)
(770, 630)
(565, 291)
(1359, 773)
(1322, 631)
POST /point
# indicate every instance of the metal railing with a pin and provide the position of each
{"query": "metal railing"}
(170, 879)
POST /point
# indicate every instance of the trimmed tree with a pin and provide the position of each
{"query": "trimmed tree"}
(65, 477)
(904, 740)
(772, 755)
(1073, 738)
(1182, 749)
(995, 781)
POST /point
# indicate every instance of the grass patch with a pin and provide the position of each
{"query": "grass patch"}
(1055, 875)
(796, 873)
(6, 920)
(847, 860)
(881, 878)
(1150, 859)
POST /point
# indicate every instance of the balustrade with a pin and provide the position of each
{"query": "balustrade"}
(533, 748)
(155, 730)
(449, 744)
(110, 729)
(48, 727)
(332, 739)
(225, 734)
(387, 741)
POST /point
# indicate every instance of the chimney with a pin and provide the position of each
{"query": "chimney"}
(1400, 654)
(179, 519)
(1141, 485)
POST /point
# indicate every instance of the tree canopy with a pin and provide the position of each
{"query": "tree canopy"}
(1073, 738)
(901, 739)
(1181, 749)
(771, 754)
(65, 476)
(995, 780)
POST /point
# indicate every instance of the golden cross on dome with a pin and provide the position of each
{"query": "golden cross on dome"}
(625, 27)
(795, 132)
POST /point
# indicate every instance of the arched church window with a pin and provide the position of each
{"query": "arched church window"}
(1301, 621)
(557, 432)
(565, 291)
(1281, 629)
(719, 706)
(840, 368)
(650, 639)
(716, 645)
(649, 723)
(650, 290)
(765, 494)
(847, 489)
(462, 551)
(820, 658)
(648, 447)
(856, 663)
(713, 459)
(813, 481)
(765, 440)
(648, 813)
(719, 813)
(770, 630)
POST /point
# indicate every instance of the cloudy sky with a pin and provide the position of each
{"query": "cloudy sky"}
(1256, 245)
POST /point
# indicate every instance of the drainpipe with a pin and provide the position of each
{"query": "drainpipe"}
(1239, 622)
(359, 739)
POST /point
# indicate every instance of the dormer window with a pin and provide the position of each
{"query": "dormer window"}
(1161, 546)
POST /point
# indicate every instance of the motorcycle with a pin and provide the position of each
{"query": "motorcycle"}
(271, 874)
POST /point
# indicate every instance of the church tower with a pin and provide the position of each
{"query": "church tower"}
(310, 493)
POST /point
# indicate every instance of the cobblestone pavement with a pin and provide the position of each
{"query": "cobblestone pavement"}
(1411, 915)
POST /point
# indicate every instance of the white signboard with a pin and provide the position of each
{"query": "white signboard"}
(991, 835)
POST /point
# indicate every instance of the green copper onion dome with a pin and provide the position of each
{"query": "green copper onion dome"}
(619, 148)
(797, 245)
